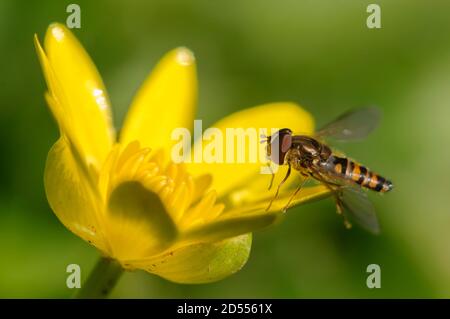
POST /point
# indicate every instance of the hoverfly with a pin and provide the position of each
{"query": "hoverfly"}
(315, 160)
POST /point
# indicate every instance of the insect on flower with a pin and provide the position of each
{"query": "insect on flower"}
(185, 222)
(345, 178)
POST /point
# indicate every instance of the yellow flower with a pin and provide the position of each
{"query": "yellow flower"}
(188, 223)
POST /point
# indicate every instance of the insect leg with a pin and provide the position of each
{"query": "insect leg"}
(279, 185)
(335, 191)
(299, 187)
(340, 211)
(272, 176)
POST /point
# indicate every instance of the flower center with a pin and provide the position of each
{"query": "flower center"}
(187, 200)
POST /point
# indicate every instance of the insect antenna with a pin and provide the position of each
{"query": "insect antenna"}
(264, 138)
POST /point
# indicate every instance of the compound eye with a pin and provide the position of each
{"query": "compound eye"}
(286, 142)
(281, 142)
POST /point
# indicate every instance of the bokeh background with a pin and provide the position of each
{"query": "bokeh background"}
(317, 53)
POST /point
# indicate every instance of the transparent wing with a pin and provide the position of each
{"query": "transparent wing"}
(351, 198)
(353, 125)
(358, 208)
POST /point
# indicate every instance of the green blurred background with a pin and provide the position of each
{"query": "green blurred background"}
(317, 53)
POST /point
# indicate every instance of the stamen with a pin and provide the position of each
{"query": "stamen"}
(178, 190)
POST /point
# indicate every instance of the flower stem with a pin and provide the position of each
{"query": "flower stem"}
(101, 280)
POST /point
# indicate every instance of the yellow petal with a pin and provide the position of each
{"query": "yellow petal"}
(77, 87)
(71, 196)
(53, 86)
(165, 101)
(251, 220)
(251, 217)
(229, 176)
(138, 224)
(305, 195)
(257, 189)
(201, 263)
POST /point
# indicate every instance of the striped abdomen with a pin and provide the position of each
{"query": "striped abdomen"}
(359, 174)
